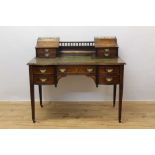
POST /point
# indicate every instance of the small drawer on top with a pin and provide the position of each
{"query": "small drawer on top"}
(76, 69)
(109, 70)
(108, 80)
(43, 70)
(46, 52)
(43, 79)
(107, 52)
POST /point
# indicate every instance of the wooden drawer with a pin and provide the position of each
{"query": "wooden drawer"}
(43, 79)
(109, 70)
(76, 69)
(43, 70)
(107, 52)
(109, 80)
(46, 52)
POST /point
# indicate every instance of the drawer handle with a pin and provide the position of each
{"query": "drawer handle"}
(43, 80)
(89, 70)
(62, 70)
(42, 70)
(109, 79)
(46, 54)
(46, 50)
(106, 54)
(109, 70)
(106, 50)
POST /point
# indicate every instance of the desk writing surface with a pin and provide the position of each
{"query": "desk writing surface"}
(76, 60)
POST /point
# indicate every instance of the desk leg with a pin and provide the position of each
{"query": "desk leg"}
(40, 95)
(32, 102)
(114, 95)
(120, 93)
(120, 102)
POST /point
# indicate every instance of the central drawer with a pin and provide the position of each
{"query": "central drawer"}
(76, 69)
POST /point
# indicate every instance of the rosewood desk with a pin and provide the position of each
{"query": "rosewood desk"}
(71, 59)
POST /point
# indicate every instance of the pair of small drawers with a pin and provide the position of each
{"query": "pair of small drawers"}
(107, 52)
(46, 74)
(43, 75)
(109, 75)
(46, 52)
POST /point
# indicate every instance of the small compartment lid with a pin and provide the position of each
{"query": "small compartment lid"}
(47, 42)
(105, 42)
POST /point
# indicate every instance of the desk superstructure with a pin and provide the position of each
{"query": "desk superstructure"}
(55, 59)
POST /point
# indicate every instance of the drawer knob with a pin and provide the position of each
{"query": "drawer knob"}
(109, 70)
(106, 54)
(46, 50)
(46, 54)
(108, 79)
(42, 70)
(106, 50)
(43, 80)
(62, 70)
(90, 70)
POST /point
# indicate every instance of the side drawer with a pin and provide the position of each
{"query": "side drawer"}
(109, 70)
(107, 52)
(46, 52)
(43, 79)
(109, 80)
(43, 70)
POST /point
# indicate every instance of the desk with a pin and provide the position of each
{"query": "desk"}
(103, 71)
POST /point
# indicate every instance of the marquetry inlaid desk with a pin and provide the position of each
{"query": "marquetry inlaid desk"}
(98, 60)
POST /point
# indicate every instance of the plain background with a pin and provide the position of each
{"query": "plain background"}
(136, 48)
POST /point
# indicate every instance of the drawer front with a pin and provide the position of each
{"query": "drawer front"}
(76, 69)
(43, 70)
(46, 52)
(43, 79)
(109, 70)
(107, 52)
(108, 80)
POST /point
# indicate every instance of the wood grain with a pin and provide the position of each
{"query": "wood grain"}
(77, 115)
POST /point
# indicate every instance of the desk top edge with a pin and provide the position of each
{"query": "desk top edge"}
(75, 60)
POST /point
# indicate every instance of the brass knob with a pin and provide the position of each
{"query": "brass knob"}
(46, 50)
(46, 54)
(43, 80)
(42, 70)
(109, 70)
(106, 50)
(89, 70)
(108, 79)
(106, 54)
(62, 70)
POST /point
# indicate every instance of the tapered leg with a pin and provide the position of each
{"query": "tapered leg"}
(40, 95)
(32, 102)
(120, 92)
(120, 102)
(114, 95)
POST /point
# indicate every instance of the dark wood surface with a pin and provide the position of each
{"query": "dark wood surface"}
(77, 58)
